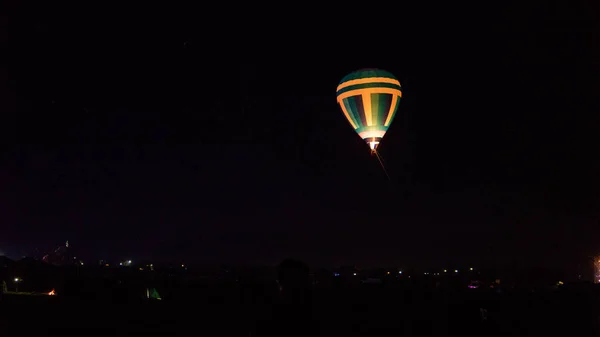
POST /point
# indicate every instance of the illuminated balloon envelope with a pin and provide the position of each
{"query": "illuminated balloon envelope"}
(369, 99)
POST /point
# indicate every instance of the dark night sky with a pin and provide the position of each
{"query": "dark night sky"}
(205, 135)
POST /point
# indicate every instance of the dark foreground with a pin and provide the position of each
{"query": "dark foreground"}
(363, 311)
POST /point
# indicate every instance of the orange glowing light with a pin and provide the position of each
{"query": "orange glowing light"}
(51, 293)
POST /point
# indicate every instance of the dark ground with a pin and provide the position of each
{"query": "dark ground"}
(367, 311)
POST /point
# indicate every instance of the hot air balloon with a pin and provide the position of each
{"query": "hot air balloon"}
(369, 99)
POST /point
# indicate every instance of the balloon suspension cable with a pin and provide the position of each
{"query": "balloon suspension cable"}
(382, 165)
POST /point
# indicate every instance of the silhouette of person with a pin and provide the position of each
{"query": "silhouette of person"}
(3, 289)
(293, 277)
(292, 312)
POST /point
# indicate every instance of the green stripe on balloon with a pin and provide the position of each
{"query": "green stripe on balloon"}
(366, 73)
(372, 128)
(350, 111)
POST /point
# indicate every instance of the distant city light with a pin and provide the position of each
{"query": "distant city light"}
(445, 271)
(456, 270)
(17, 279)
(471, 269)
(354, 274)
(400, 272)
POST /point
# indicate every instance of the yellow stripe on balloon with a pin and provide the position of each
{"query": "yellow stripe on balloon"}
(366, 98)
(363, 91)
(388, 120)
(368, 80)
